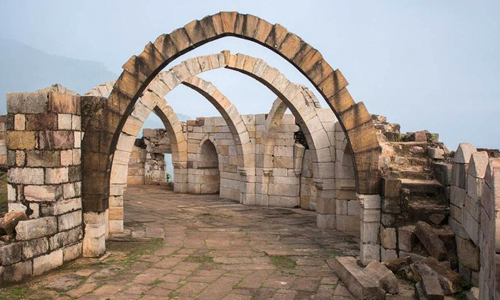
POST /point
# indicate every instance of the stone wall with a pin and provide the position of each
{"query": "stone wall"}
(474, 198)
(44, 182)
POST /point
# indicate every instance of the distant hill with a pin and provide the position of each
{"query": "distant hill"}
(26, 69)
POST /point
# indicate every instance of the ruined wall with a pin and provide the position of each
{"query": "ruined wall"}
(474, 198)
(44, 182)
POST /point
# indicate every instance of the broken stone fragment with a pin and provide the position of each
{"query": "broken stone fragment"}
(395, 265)
(355, 279)
(451, 282)
(383, 277)
(430, 240)
(432, 288)
(10, 220)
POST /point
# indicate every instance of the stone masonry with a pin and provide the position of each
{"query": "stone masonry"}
(44, 182)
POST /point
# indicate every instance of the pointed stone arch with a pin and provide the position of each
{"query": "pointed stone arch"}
(140, 70)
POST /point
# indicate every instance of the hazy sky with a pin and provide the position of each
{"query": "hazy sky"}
(425, 64)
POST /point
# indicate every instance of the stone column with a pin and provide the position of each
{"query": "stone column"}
(44, 181)
(370, 227)
(247, 177)
(325, 203)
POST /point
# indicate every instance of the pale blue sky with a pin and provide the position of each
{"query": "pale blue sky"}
(425, 64)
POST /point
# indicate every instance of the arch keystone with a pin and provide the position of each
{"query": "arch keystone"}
(228, 19)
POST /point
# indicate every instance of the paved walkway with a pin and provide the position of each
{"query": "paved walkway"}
(179, 246)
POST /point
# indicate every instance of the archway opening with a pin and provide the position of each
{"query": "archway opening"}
(207, 171)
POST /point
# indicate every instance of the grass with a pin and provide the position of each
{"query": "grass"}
(200, 259)
(14, 293)
(134, 251)
(283, 262)
(3, 193)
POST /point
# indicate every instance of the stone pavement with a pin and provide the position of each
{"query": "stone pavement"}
(179, 246)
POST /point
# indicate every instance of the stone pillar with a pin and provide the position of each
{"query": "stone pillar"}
(325, 203)
(99, 118)
(247, 186)
(44, 181)
(370, 227)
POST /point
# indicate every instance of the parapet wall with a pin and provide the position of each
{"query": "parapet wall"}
(44, 182)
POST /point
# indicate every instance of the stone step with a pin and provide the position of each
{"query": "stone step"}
(429, 210)
(411, 161)
(422, 186)
(412, 174)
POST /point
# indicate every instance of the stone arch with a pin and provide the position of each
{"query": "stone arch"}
(301, 102)
(153, 100)
(140, 70)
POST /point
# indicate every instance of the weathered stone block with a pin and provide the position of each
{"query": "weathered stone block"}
(383, 277)
(430, 240)
(64, 103)
(42, 193)
(10, 254)
(56, 175)
(37, 158)
(72, 252)
(468, 253)
(70, 220)
(406, 238)
(25, 175)
(41, 122)
(27, 103)
(57, 140)
(35, 247)
(392, 187)
(32, 229)
(361, 285)
(18, 272)
(19, 122)
(47, 262)
(64, 121)
(388, 237)
(64, 238)
(21, 140)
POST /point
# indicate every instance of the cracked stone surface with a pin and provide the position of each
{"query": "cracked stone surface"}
(179, 246)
